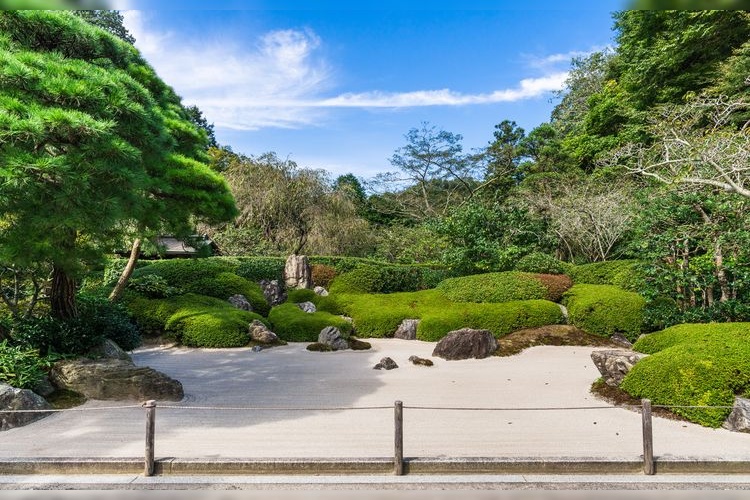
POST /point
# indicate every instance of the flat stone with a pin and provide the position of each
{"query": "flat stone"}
(319, 290)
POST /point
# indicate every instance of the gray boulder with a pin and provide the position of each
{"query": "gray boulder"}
(620, 339)
(466, 343)
(273, 292)
(331, 337)
(614, 364)
(297, 272)
(319, 290)
(407, 330)
(260, 333)
(385, 364)
(308, 307)
(109, 349)
(240, 302)
(115, 379)
(12, 398)
(44, 387)
(739, 419)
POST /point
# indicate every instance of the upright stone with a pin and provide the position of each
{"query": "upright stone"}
(297, 272)
(739, 419)
(407, 330)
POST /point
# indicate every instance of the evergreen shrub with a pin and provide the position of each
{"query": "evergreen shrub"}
(694, 365)
(293, 324)
(605, 310)
(540, 262)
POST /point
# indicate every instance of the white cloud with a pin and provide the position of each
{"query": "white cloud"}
(556, 60)
(282, 81)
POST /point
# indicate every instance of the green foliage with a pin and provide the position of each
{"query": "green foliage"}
(605, 310)
(378, 315)
(98, 319)
(224, 285)
(194, 320)
(261, 268)
(21, 367)
(293, 324)
(539, 262)
(387, 279)
(153, 286)
(299, 295)
(694, 365)
(493, 287)
(626, 274)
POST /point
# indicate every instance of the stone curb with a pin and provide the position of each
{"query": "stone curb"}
(314, 466)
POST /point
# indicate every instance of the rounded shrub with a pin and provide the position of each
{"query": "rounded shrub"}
(301, 295)
(224, 285)
(211, 327)
(539, 262)
(322, 275)
(153, 286)
(605, 310)
(498, 318)
(556, 285)
(626, 274)
(387, 279)
(694, 365)
(293, 324)
(493, 287)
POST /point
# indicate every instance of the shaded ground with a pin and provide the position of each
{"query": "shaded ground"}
(556, 335)
(618, 397)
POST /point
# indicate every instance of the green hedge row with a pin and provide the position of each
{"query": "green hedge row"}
(193, 320)
(387, 279)
(293, 324)
(694, 365)
(605, 310)
(378, 315)
(504, 287)
(626, 274)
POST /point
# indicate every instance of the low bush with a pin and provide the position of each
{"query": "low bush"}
(293, 324)
(694, 365)
(194, 320)
(301, 295)
(322, 275)
(182, 273)
(626, 274)
(153, 286)
(379, 315)
(97, 319)
(387, 279)
(493, 287)
(556, 285)
(498, 318)
(224, 285)
(21, 367)
(539, 262)
(605, 310)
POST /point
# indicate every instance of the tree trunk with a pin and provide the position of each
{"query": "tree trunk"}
(122, 282)
(63, 294)
(721, 274)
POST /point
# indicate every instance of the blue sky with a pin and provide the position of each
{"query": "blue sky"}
(336, 87)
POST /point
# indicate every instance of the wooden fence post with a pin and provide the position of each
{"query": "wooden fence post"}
(648, 438)
(150, 407)
(398, 460)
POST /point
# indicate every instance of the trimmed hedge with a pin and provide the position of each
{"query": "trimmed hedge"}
(301, 295)
(605, 310)
(539, 262)
(194, 320)
(261, 268)
(626, 274)
(293, 324)
(387, 279)
(378, 315)
(694, 365)
(493, 287)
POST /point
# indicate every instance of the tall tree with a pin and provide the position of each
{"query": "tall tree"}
(108, 20)
(94, 148)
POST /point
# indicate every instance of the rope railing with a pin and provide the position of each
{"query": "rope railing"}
(398, 407)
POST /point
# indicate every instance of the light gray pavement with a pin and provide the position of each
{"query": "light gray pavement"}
(291, 376)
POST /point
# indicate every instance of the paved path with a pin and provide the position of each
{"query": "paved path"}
(290, 375)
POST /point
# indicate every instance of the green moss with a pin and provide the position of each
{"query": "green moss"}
(605, 310)
(224, 285)
(293, 324)
(538, 262)
(317, 347)
(299, 295)
(493, 287)
(694, 365)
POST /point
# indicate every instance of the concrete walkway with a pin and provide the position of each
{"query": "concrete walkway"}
(291, 376)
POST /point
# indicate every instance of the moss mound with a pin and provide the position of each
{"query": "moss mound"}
(626, 274)
(295, 325)
(694, 365)
(504, 287)
(605, 310)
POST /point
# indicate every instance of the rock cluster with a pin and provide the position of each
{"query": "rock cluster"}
(385, 364)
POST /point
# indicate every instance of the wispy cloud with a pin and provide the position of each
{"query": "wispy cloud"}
(284, 82)
(561, 59)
